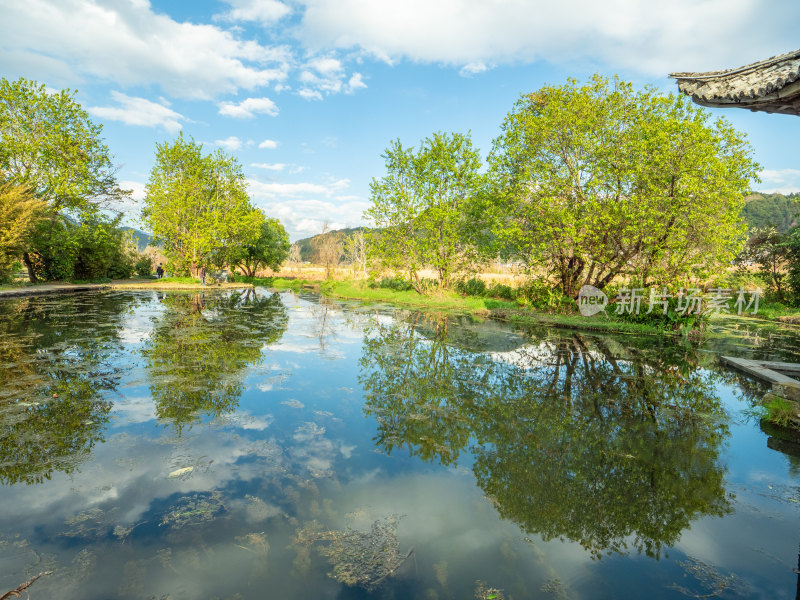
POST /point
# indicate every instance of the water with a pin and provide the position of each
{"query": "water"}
(252, 445)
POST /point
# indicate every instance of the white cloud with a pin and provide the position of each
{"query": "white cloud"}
(473, 68)
(247, 109)
(231, 144)
(356, 82)
(309, 94)
(781, 181)
(265, 12)
(294, 190)
(127, 42)
(651, 37)
(270, 166)
(268, 144)
(326, 75)
(139, 111)
(304, 207)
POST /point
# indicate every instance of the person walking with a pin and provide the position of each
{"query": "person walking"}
(203, 275)
(159, 272)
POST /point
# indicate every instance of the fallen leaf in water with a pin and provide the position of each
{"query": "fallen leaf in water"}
(182, 471)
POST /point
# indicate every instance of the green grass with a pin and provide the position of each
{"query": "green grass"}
(501, 310)
(778, 411)
(775, 310)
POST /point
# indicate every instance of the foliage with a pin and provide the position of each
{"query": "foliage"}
(681, 322)
(102, 248)
(545, 297)
(52, 250)
(144, 266)
(777, 410)
(472, 287)
(501, 290)
(48, 143)
(19, 213)
(198, 206)
(422, 206)
(596, 180)
(792, 242)
(94, 248)
(772, 210)
(393, 283)
(270, 249)
(767, 248)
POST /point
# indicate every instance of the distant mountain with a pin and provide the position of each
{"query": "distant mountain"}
(308, 245)
(776, 210)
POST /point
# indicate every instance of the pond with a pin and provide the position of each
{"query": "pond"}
(252, 444)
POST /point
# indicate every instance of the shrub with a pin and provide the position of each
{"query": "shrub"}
(471, 287)
(144, 266)
(397, 284)
(681, 322)
(500, 290)
(544, 296)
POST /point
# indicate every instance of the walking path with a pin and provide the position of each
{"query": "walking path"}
(52, 288)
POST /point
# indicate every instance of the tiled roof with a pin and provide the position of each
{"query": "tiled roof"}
(771, 85)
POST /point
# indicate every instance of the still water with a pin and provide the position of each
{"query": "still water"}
(258, 445)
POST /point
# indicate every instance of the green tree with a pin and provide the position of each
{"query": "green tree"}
(768, 248)
(598, 180)
(49, 144)
(422, 207)
(792, 246)
(270, 249)
(19, 213)
(198, 205)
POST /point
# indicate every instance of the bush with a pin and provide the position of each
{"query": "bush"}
(541, 295)
(471, 287)
(52, 249)
(144, 266)
(395, 283)
(682, 322)
(500, 290)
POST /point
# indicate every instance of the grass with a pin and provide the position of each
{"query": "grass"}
(778, 411)
(776, 311)
(501, 310)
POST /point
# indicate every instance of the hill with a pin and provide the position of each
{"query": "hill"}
(307, 245)
(777, 210)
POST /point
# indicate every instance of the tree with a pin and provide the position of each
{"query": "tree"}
(328, 246)
(49, 144)
(768, 248)
(355, 252)
(19, 213)
(198, 205)
(269, 250)
(422, 206)
(594, 181)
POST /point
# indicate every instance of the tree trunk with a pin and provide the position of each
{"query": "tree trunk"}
(29, 264)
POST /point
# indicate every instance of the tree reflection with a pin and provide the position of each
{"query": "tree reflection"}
(201, 345)
(58, 365)
(571, 436)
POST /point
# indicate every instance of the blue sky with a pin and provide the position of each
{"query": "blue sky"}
(307, 94)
